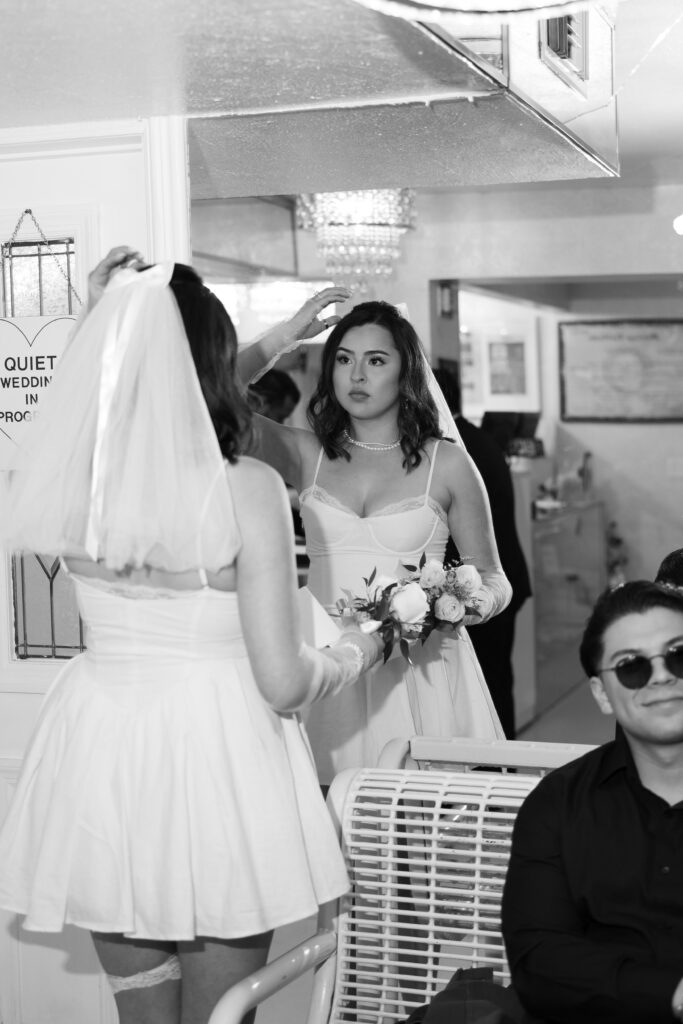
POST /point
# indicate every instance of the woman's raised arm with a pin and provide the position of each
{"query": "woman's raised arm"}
(255, 359)
(289, 674)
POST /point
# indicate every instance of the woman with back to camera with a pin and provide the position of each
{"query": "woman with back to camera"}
(168, 801)
(379, 487)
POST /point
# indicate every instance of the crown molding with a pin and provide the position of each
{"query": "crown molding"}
(67, 140)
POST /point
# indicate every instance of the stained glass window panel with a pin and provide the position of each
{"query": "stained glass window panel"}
(47, 623)
(37, 277)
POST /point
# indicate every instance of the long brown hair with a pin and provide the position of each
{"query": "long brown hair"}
(418, 419)
(213, 344)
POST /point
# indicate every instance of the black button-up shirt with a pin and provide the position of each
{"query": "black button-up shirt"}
(593, 901)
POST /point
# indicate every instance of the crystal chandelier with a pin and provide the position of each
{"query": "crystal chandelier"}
(451, 11)
(358, 232)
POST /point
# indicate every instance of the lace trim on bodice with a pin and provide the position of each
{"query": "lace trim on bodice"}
(405, 505)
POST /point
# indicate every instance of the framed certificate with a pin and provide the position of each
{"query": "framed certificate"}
(621, 370)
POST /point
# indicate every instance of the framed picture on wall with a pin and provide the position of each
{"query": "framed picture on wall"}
(621, 371)
(499, 354)
(510, 369)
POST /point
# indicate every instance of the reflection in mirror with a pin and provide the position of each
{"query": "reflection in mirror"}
(546, 666)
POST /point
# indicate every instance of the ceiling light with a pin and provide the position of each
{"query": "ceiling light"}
(358, 233)
(678, 225)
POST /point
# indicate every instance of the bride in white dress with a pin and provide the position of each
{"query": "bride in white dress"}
(379, 487)
(168, 801)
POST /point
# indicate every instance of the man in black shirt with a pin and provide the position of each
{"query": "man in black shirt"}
(593, 901)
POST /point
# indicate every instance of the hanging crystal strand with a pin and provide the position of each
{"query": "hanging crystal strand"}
(358, 233)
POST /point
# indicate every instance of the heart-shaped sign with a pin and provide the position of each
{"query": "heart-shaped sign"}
(30, 348)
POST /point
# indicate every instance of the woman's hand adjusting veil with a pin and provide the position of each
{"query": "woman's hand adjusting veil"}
(256, 359)
(116, 259)
(306, 322)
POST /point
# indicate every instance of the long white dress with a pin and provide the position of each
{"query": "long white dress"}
(444, 692)
(161, 797)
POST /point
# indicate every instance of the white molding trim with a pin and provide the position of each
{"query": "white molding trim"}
(168, 188)
(62, 140)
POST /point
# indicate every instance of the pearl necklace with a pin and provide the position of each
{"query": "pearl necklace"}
(371, 446)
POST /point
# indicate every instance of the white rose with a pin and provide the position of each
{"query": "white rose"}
(379, 584)
(409, 604)
(449, 609)
(433, 574)
(467, 579)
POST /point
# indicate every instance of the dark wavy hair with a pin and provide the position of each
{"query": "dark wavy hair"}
(671, 569)
(213, 344)
(418, 419)
(635, 597)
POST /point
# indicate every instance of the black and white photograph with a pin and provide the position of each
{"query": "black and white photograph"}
(341, 477)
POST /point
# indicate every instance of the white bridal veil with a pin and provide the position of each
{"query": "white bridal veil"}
(122, 461)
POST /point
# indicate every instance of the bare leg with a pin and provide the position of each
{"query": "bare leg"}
(211, 966)
(121, 957)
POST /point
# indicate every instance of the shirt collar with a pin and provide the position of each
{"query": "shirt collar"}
(617, 758)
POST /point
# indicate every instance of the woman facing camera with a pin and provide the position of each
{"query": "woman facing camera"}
(379, 487)
(170, 754)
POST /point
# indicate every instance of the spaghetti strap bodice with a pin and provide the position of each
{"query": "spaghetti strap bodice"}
(442, 693)
(343, 547)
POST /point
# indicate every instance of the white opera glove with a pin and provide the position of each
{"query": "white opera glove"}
(334, 668)
(277, 340)
(492, 597)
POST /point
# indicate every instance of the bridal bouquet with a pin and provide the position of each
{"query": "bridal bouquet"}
(432, 596)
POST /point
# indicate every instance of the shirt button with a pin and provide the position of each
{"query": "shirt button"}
(666, 869)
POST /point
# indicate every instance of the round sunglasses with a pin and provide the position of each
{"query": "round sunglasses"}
(635, 672)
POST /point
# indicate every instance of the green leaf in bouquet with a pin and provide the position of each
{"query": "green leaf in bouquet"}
(388, 637)
(372, 576)
(405, 650)
(409, 568)
(447, 627)
(423, 560)
(384, 603)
